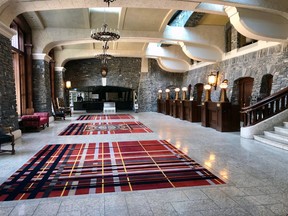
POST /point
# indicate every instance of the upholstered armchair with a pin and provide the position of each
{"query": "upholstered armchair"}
(6, 136)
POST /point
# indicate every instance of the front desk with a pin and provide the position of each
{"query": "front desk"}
(191, 111)
(98, 105)
(222, 116)
(183, 109)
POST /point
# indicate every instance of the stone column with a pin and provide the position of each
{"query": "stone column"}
(41, 83)
(8, 114)
(29, 85)
(59, 82)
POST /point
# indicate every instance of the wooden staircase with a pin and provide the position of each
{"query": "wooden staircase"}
(277, 138)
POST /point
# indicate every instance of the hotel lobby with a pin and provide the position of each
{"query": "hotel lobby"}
(144, 108)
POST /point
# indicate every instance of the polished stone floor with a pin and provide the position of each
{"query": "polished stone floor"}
(256, 175)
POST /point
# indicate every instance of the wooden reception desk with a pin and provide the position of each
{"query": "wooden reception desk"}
(222, 116)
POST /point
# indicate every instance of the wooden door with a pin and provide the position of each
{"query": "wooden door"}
(245, 90)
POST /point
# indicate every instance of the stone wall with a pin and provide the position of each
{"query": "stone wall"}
(123, 72)
(59, 84)
(8, 114)
(272, 60)
(154, 80)
(41, 86)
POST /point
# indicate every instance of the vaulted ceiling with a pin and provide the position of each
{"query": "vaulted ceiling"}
(65, 27)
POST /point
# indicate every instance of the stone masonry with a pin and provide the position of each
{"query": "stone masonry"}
(123, 72)
(41, 86)
(272, 60)
(8, 114)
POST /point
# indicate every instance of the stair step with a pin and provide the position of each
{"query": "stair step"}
(285, 124)
(281, 130)
(276, 136)
(270, 141)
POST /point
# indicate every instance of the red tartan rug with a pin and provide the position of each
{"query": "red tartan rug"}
(105, 117)
(89, 168)
(105, 128)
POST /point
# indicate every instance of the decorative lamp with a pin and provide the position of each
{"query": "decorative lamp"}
(184, 91)
(167, 94)
(177, 93)
(207, 88)
(212, 79)
(104, 34)
(104, 71)
(68, 84)
(160, 94)
(223, 93)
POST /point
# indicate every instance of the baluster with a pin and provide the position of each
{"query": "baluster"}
(266, 111)
(254, 117)
(271, 110)
(277, 107)
(247, 119)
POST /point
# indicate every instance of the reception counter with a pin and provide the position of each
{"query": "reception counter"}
(98, 105)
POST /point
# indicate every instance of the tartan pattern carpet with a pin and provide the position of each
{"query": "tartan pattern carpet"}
(105, 117)
(88, 168)
(105, 128)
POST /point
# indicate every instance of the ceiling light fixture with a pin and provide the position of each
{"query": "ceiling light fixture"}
(109, 1)
(105, 34)
(104, 56)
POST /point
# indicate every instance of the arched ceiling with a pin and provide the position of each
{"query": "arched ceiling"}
(65, 27)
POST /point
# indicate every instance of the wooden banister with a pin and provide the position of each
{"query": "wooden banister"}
(265, 108)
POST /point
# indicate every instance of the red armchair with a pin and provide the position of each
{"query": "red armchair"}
(36, 120)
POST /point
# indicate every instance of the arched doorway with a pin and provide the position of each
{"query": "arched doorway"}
(198, 92)
(242, 90)
(266, 86)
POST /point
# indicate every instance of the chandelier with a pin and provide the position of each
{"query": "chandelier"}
(109, 1)
(104, 56)
(105, 34)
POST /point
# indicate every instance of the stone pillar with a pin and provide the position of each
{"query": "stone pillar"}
(8, 114)
(29, 85)
(59, 82)
(41, 83)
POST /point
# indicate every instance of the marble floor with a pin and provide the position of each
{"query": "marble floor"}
(256, 175)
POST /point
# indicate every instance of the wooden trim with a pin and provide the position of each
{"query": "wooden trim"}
(265, 108)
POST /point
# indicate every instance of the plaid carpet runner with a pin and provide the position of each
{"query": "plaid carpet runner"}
(105, 117)
(89, 168)
(105, 128)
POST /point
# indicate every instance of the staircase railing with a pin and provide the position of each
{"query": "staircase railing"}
(265, 108)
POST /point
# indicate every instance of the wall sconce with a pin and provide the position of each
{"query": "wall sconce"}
(184, 90)
(104, 71)
(167, 94)
(177, 93)
(212, 79)
(68, 84)
(223, 93)
(160, 94)
(207, 88)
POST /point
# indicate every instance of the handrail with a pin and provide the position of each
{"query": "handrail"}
(265, 108)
